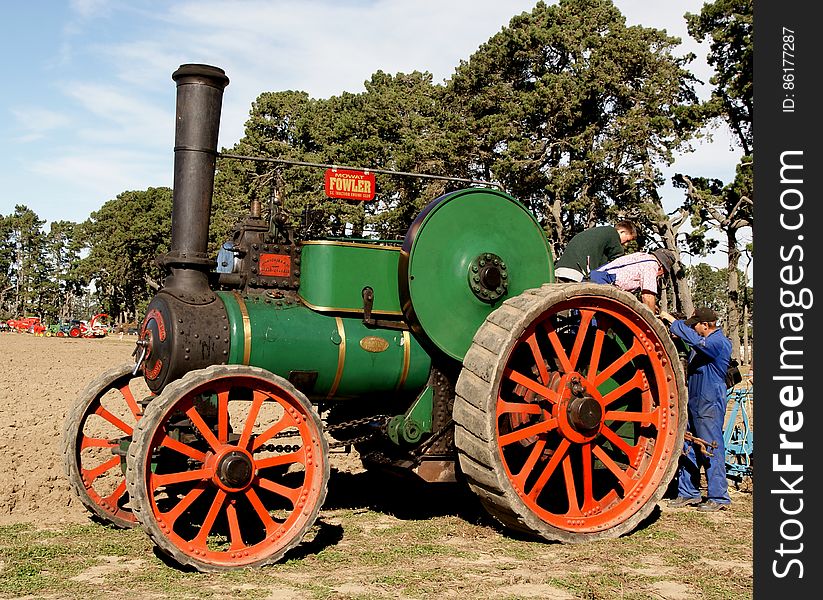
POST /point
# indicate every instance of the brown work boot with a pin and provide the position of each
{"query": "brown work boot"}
(682, 501)
(712, 506)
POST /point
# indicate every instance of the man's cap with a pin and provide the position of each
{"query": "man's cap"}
(702, 315)
(665, 257)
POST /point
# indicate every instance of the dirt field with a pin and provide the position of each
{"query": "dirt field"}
(372, 541)
(39, 379)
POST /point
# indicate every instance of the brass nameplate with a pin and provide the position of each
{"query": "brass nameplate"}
(372, 343)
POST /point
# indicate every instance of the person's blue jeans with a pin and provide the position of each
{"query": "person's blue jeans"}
(705, 422)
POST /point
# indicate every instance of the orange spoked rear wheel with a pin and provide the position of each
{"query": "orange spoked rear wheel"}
(571, 412)
(96, 434)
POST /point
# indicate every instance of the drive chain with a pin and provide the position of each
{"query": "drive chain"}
(379, 420)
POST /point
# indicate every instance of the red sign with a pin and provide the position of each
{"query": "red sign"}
(349, 185)
(275, 265)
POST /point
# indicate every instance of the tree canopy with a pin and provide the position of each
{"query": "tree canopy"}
(123, 239)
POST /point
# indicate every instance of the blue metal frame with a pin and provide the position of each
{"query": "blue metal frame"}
(738, 437)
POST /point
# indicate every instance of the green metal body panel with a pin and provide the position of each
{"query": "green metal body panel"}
(327, 357)
(334, 274)
(449, 238)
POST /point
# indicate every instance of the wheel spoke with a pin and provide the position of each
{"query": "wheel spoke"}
(528, 466)
(283, 459)
(559, 350)
(223, 416)
(130, 401)
(91, 475)
(259, 398)
(526, 432)
(634, 417)
(90, 442)
(291, 494)
(585, 320)
(622, 476)
(285, 421)
(118, 492)
(520, 408)
(548, 471)
(100, 411)
(208, 522)
(203, 428)
(571, 490)
(634, 383)
(185, 502)
(630, 354)
(538, 358)
(261, 511)
(181, 477)
(587, 472)
(185, 449)
(531, 384)
(618, 442)
(597, 349)
(234, 528)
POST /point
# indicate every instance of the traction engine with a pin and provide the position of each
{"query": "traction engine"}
(452, 355)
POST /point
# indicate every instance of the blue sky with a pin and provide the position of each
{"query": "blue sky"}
(87, 109)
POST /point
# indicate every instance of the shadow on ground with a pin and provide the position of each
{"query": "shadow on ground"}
(403, 498)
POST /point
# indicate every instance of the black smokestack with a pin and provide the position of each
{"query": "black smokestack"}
(199, 101)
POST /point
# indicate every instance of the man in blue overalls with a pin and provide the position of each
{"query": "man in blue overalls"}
(706, 379)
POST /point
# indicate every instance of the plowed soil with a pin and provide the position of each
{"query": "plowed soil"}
(40, 378)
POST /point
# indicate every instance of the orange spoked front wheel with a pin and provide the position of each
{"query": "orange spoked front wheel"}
(571, 411)
(229, 468)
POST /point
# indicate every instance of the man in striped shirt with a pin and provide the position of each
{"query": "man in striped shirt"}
(638, 271)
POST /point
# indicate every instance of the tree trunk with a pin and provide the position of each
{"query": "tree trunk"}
(732, 311)
(747, 350)
(667, 227)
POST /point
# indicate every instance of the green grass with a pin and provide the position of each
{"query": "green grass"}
(367, 555)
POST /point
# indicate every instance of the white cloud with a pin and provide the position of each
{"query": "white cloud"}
(101, 173)
(119, 117)
(35, 122)
(88, 8)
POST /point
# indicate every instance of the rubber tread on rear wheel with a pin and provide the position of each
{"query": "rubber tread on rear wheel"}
(570, 412)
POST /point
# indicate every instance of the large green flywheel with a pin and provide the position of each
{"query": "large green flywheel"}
(466, 253)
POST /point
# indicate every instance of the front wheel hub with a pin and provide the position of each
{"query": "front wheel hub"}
(235, 470)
